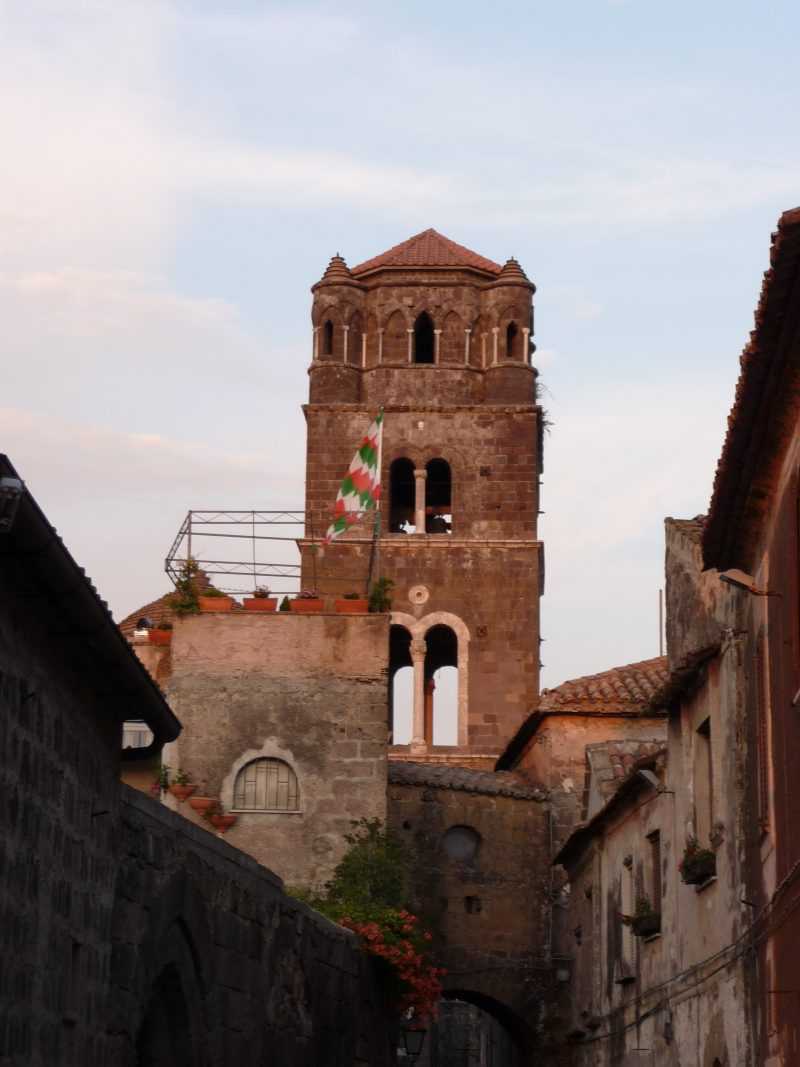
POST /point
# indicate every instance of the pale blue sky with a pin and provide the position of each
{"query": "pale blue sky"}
(176, 175)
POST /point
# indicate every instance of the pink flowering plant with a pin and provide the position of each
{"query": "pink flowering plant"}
(366, 896)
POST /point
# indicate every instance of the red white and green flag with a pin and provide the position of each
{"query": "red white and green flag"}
(361, 489)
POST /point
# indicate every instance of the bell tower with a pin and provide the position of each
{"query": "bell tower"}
(440, 338)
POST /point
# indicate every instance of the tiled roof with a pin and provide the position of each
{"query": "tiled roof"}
(160, 610)
(761, 419)
(609, 763)
(428, 249)
(633, 687)
(446, 776)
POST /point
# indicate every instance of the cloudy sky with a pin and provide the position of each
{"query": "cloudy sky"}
(175, 175)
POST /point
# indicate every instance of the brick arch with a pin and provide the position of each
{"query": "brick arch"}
(520, 1031)
(395, 338)
(451, 343)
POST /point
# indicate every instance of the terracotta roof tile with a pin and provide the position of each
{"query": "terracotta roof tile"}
(160, 610)
(447, 776)
(629, 688)
(765, 394)
(428, 249)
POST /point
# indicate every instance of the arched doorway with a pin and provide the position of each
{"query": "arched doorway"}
(165, 1035)
(471, 1034)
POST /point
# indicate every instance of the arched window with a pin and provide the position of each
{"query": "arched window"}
(327, 338)
(401, 686)
(512, 341)
(401, 496)
(438, 497)
(441, 686)
(266, 785)
(424, 345)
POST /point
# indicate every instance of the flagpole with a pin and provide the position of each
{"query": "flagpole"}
(374, 555)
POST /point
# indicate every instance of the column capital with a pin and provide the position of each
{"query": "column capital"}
(420, 472)
(418, 648)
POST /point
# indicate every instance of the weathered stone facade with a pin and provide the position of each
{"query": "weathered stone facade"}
(481, 877)
(467, 403)
(308, 690)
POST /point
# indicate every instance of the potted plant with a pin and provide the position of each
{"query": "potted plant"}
(645, 921)
(351, 604)
(698, 865)
(380, 595)
(161, 782)
(218, 819)
(181, 786)
(201, 804)
(161, 634)
(260, 600)
(213, 599)
(286, 604)
(184, 600)
(307, 603)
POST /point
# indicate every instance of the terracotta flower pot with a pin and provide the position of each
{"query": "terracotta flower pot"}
(222, 823)
(255, 603)
(306, 607)
(215, 603)
(181, 792)
(351, 607)
(201, 804)
(646, 925)
(159, 637)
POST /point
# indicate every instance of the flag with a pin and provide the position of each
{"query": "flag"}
(361, 489)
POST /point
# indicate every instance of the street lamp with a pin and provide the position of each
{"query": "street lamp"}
(413, 1040)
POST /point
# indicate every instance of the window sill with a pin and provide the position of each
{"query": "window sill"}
(265, 811)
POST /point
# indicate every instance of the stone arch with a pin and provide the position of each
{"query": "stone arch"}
(395, 339)
(271, 749)
(373, 341)
(479, 349)
(452, 341)
(172, 978)
(402, 489)
(424, 346)
(510, 339)
(328, 322)
(438, 496)
(520, 1032)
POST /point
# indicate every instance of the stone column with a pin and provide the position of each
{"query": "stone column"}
(315, 346)
(526, 355)
(380, 346)
(418, 649)
(363, 350)
(420, 477)
(437, 335)
(495, 333)
(430, 686)
(467, 335)
(410, 345)
(344, 345)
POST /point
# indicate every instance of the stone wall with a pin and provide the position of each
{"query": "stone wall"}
(306, 689)
(481, 878)
(203, 936)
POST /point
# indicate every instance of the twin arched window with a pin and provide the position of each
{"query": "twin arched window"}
(266, 785)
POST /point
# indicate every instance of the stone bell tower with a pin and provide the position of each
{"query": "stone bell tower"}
(440, 337)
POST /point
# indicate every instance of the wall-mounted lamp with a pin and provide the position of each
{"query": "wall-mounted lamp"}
(11, 490)
(739, 580)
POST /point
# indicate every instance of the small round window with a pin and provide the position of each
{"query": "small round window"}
(461, 843)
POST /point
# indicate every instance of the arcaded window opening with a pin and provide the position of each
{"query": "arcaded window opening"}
(327, 338)
(438, 497)
(441, 686)
(512, 341)
(424, 339)
(401, 686)
(401, 496)
(266, 785)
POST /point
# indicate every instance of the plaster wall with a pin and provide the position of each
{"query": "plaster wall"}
(309, 690)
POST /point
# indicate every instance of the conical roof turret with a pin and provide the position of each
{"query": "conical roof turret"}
(513, 274)
(336, 273)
